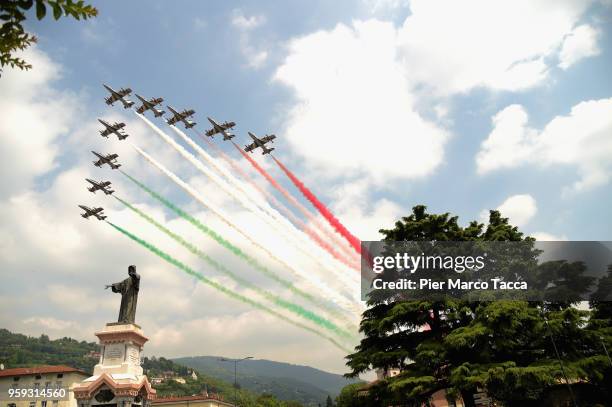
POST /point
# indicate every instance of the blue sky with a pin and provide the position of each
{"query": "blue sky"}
(379, 105)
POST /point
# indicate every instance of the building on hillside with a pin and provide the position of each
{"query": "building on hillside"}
(42, 378)
(436, 399)
(194, 376)
(93, 354)
(180, 380)
(203, 400)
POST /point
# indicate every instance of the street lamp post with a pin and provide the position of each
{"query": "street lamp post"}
(236, 361)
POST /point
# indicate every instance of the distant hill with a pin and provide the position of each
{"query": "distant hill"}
(286, 381)
(17, 350)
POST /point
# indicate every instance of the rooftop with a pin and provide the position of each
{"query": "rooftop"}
(25, 371)
(199, 397)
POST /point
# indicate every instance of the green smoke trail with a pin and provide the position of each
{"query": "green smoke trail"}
(220, 287)
(295, 308)
(236, 250)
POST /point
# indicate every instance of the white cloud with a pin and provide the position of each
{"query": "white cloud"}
(580, 43)
(547, 237)
(519, 209)
(454, 46)
(243, 22)
(255, 56)
(38, 114)
(580, 139)
(354, 103)
(377, 6)
(50, 323)
(509, 143)
(360, 88)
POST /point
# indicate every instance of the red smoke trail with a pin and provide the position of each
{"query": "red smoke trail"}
(292, 200)
(294, 219)
(353, 241)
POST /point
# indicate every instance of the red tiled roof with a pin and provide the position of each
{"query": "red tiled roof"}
(199, 397)
(24, 371)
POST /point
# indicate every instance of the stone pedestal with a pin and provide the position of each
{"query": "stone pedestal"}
(118, 379)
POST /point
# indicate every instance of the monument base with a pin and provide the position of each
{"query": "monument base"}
(118, 379)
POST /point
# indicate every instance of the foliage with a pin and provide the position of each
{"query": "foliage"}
(13, 37)
(503, 347)
(349, 397)
(18, 350)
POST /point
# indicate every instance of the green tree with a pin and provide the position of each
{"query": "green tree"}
(329, 402)
(504, 347)
(349, 397)
(13, 37)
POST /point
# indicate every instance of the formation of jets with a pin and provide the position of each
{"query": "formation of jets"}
(181, 117)
(260, 143)
(97, 212)
(110, 159)
(184, 116)
(220, 128)
(115, 128)
(150, 105)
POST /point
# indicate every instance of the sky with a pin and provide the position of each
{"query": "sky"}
(378, 106)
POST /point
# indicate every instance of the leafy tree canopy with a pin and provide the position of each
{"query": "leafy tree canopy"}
(13, 37)
(503, 347)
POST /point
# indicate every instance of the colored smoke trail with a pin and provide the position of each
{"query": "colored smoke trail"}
(223, 242)
(220, 287)
(356, 243)
(280, 206)
(289, 306)
(351, 307)
(238, 191)
(290, 198)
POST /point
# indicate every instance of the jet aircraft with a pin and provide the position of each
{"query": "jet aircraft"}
(181, 117)
(97, 212)
(115, 128)
(260, 142)
(220, 128)
(110, 159)
(118, 95)
(99, 186)
(150, 105)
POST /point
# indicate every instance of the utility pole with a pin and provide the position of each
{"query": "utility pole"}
(569, 387)
(605, 349)
(236, 361)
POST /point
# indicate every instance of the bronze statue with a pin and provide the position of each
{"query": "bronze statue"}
(129, 296)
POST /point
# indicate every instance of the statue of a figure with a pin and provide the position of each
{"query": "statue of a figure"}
(129, 296)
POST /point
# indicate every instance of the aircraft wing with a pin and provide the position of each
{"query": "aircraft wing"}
(187, 113)
(250, 147)
(211, 132)
(124, 92)
(111, 156)
(268, 138)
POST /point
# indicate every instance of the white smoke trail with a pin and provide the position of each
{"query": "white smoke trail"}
(273, 218)
(354, 308)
